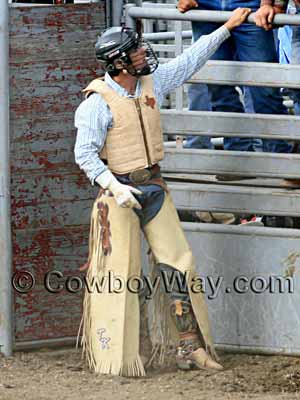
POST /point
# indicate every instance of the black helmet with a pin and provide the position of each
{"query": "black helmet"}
(116, 44)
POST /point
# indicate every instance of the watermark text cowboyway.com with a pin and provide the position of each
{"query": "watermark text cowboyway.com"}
(55, 282)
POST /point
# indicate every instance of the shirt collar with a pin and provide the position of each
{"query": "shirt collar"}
(119, 89)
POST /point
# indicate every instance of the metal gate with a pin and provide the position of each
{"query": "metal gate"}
(51, 60)
(265, 260)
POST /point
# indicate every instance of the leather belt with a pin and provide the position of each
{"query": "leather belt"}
(141, 176)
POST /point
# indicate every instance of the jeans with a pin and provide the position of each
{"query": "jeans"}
(199, 100)
(296, 60)
(289, 51)
(247, 43)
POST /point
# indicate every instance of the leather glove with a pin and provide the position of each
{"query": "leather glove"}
(122, 193)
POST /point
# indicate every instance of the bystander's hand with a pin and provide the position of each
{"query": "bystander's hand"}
(185, 5)
(238, 16)
(264, 17)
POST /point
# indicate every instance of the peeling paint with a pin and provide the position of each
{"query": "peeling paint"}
(52, 59)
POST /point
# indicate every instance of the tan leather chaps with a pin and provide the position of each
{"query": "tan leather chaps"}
(110, 322)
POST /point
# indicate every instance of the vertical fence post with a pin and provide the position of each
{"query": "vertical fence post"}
(117, 12)
(178, 51)
(5, 226)
(129, 21)
(108, 14)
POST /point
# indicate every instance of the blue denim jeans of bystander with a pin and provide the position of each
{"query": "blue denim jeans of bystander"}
(247, 43)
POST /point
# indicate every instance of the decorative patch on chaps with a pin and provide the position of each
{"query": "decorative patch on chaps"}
(105, 234)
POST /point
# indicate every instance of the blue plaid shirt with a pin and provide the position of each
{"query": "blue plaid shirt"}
(93, 117)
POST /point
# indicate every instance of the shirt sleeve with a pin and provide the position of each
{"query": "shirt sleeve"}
(92, 120)
(280, 4)
(174, 73)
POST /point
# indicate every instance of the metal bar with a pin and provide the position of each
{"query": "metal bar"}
(292, 352)
(215, 141)
(208, 179)
(178, 51)
(108, 14)
(54, 343)
(243, 73)
(148, 24)
(5, 226)
(155, 36)
(129, 21)
(241, 231)
(37, 344)
(117, 10)
(26, 5)
(210, 162)
(249, 74)
(229, 124)
(235, 199)
(203, 15)
(169, 48)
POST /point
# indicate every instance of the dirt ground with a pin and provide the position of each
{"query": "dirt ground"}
(61, 374)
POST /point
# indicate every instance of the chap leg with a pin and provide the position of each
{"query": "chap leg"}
(168, 244)
(111, 312)
(190, 352)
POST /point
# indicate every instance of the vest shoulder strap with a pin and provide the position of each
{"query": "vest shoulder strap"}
(147, 84)
(99, 86)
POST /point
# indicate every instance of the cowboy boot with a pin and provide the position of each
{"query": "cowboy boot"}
(190, 351)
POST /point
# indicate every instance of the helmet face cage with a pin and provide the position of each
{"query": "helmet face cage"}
(118, 51)
(151, 59)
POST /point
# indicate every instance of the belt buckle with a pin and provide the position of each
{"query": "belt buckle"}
(140, 176)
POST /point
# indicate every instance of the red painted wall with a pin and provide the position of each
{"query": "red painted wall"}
(51, 60)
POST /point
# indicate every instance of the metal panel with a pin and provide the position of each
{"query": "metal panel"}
(52, 59)
(250, 320)
(247, 321)
(236, 199)
(231, 124)
(269, 165)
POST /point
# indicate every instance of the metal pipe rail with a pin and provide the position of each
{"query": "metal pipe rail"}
(5, 228)
(235, 199)
(237, 73)
(200, 15)
(230, 124)
(242, 163)
(156, 36)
